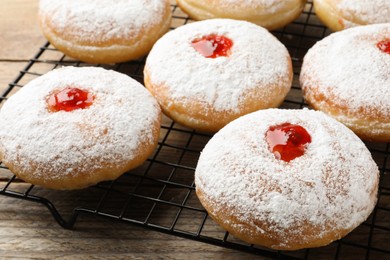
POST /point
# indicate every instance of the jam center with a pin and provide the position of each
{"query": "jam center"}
(287, 141)
(69, 99)
(213, 46)
(384, 46)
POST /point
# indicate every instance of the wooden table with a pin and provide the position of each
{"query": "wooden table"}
(27, 230)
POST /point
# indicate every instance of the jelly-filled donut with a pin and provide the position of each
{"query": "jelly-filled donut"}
(271, 14)
(338, 15)
(104, 31)
(74, 127)
(347, 75)
(287, 179)
(205, 74)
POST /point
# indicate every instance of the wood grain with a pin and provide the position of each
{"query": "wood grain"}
(27, 230)
(20, 33)
(20, 37)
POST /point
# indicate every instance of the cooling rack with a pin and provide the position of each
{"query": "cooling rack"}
(160, 194)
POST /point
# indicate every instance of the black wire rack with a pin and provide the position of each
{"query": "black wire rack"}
(160, 194)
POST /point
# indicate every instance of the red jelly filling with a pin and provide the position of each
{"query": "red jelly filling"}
(384, 46)
(287, 141)
(69, 99)
(213, 46)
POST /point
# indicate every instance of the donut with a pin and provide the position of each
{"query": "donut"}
(347, 76)
(75, 127)
(269, 14)
(338, 15)
(287, 179)
(104, 31)
(206, 74)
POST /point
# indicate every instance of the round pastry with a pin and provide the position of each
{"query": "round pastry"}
(341, 14)
(205, 74)
(287, 179)
(269, 14)
(74, 127)
(346, 75)
(104, 31)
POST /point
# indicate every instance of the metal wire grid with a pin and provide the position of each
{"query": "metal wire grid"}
(160, 194)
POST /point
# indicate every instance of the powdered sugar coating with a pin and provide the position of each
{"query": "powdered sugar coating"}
(333, 185)
(271, 6)
(84, 140)
(257, 60)
(364, 11)
(263, 6)
(102, 20)
(349, 67)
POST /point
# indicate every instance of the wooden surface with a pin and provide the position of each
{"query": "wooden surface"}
(19, 36)
(27, 230)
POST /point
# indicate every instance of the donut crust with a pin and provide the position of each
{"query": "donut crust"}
(307, 202)
(205, 94)
(368, 123)
(338, 18)
(268, 237)
(76, 149)
(326, 90)
(328, 15)
(80, 178)
(93, 49)
(201, 116)
(285, 13)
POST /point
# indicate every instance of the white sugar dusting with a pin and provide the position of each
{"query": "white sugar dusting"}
(269, 5)
(258, 60)
(110, 130)
(365, 11)
(102, 19)
(350, 66)
(332, 185)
